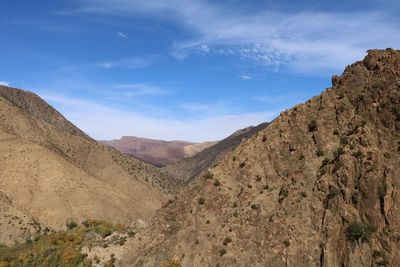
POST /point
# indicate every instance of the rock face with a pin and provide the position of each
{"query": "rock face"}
(50, 171)
(189, 168)
(157, 152)
(319, 186)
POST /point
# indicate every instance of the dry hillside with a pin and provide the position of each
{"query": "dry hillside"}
(189, 168)
(50, 172)
(317, 187)
(157, 152)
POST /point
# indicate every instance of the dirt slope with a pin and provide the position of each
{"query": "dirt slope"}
(53, 172)
(320, 189)
(187, 169)
(157, 152)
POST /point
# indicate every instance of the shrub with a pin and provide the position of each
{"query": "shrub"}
(103, 230)
(320, 152)
(344, 140)
(312, 126)
(360, 231)
(339, 151)
(258, 178)
(333, 192)
(286, 243)
(302, 156)
(201, 200)
(216, 182)
(71, 224)
(208, 175)
(264, 138)
(222, 252)
(254, 206)
(227, 240)
(241, 165)
(357, 154)
(122, 240)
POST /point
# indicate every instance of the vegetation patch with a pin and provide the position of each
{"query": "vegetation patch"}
(59, 248)
(358, 231)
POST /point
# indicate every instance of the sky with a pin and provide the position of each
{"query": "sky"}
(191, 70)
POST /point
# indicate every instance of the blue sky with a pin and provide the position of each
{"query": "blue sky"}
(192, 70)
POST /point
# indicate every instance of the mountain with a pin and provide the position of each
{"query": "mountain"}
(316, 187)
(51, 172)
(189, 168)
(157, 152)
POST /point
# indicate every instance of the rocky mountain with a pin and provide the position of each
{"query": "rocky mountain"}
(317, 187)
(189, 168)
(51, 172)
(157, 152)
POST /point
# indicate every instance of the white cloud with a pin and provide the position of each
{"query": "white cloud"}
(303, 40)
(117, 122)
(122, 35)
(4, 83)
(245, 77)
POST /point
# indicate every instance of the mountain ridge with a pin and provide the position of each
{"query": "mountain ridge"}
(316, 187)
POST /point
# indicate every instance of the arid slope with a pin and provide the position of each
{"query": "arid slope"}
(51, 171)
(317, 187)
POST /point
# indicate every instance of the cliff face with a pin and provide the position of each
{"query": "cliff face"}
(319, 186)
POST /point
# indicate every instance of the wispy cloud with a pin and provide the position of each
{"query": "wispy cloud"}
(131, 62)
(245, 77)
(135, 90)
(4, 83)
(304, 40)
(118, 122)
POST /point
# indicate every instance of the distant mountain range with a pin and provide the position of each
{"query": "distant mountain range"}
(157, 152)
